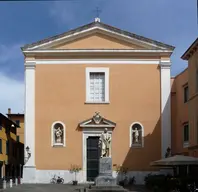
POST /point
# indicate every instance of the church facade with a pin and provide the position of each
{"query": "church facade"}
(85, 80)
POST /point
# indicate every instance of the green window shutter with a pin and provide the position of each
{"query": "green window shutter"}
(18, 122)
(7, 147)
(1, 146)
(18, 138)
(186, 133)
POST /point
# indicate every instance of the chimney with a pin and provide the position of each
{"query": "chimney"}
(9, 110)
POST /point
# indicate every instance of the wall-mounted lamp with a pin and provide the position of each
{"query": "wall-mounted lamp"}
(12, 125)
(28, 154)
(27, 149)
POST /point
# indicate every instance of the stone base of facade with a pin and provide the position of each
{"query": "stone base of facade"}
(32, 175)
(29, 174)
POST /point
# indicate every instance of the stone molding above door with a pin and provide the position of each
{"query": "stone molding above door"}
(97, 121)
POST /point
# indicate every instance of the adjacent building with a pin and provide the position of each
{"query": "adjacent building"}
(87, 79)
(179, 113)
(18, 118)
(191, 55)
(11, 151)
(184, 103)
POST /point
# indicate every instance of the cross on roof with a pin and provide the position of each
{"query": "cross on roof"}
(98, 11)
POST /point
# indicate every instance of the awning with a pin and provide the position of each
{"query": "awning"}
(175, 161)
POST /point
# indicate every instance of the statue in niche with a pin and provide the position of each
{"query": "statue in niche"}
(105, 143)
(136, 134)
(58, 134)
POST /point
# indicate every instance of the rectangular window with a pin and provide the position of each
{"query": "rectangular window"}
(97, 85)
(13, 150)
(18, 138)
(196, 80)
(186, 134)
(185, 94)
(196, 135)
(7, 147)
(1, 146)
(18, 122)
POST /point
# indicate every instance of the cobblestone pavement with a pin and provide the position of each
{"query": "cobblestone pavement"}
(54, 188)
(43, 188)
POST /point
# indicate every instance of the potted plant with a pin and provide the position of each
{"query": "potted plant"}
(123, 171)
(75, 169)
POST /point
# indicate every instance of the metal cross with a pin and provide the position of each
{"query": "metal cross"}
(98, 11)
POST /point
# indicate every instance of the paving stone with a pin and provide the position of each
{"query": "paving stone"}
(50, 188)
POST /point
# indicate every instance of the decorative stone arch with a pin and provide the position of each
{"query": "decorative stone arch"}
(54, 126)
(140, 128)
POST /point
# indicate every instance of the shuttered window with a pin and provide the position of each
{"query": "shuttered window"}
(0, 145)
(186, 133)
(18, 122)
(97, 87)
(7, 147)
(18, 138)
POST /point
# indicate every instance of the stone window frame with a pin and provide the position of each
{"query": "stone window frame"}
(52, 134)
(104, 70)
(131, 139)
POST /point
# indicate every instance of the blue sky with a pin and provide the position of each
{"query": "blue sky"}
(169, 21)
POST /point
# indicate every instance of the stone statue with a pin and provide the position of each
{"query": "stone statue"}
(58, 135)
(105, 143)
(136, 135)
(168, 152)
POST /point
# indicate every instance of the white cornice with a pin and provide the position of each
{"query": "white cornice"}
(96, 61)
(99, 51)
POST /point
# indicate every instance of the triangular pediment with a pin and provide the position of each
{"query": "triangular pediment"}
(96, 35)
(98, 40)
(97, 121)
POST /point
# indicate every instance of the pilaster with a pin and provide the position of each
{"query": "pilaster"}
(29, 171)
(165, 106)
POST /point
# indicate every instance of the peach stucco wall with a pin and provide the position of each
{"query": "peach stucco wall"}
(134, 97)
(179, 111)
(97, 41)
(193, 99)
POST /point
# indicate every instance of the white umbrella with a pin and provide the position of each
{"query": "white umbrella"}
(176, 160)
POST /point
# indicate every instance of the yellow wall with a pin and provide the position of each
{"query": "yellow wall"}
(4, 156)
(20, 130)
(3, 137)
